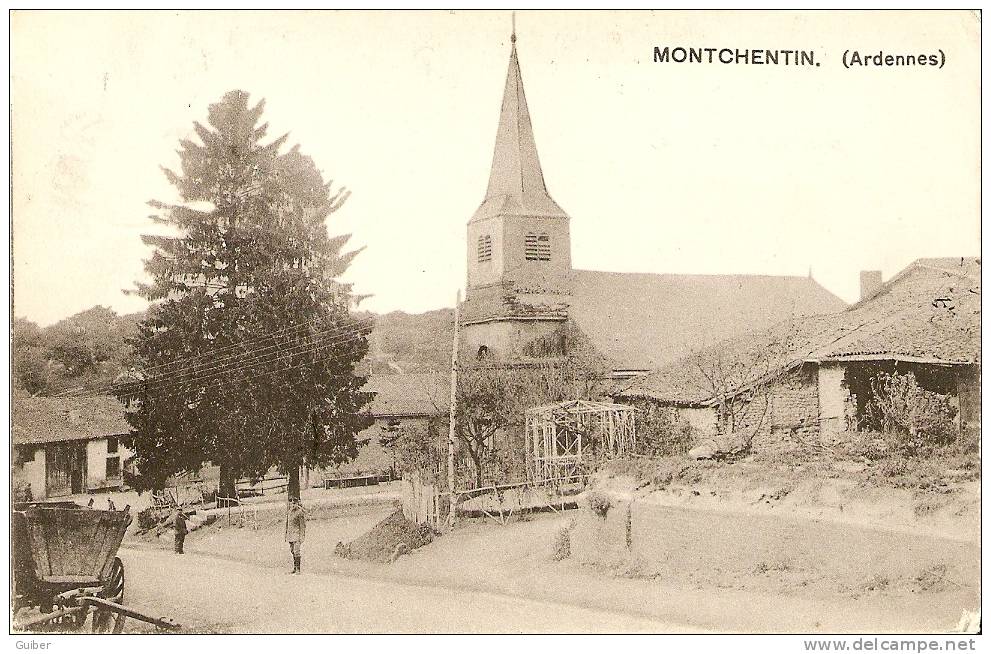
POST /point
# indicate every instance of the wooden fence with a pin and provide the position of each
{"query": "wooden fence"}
(422, 503)
(254, 487)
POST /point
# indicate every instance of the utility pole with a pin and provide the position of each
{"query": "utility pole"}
(454, 395)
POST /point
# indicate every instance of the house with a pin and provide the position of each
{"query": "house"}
(522, 288)
(404, 401)
(810, 380)
(67, 446)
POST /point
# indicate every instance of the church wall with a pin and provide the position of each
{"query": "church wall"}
(488, 272)
(537, 276)
(503, 339)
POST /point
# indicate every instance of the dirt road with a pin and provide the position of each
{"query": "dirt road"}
(210, 595)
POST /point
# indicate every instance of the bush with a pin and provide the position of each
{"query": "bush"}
(418, 454)
(22, 490)
(505, 463)
(921, 420)
(599, 503)
(661, 433)
(561, 548)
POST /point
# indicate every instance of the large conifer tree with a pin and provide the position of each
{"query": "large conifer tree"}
(249, 349)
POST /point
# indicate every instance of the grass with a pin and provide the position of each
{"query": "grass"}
(934, 473)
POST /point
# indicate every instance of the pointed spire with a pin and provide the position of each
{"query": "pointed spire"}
(516, 182)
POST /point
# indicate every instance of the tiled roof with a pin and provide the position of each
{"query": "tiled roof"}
(422, 394)
(929, 312)
(54, 419)
(643, 321)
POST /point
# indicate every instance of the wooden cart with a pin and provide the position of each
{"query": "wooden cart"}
(66, 568)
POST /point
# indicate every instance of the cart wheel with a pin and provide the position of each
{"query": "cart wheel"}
(113, 588)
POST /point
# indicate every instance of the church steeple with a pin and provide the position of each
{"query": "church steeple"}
(516, 180)
(519, 247)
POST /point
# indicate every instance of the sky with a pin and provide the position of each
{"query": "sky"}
(662, 167)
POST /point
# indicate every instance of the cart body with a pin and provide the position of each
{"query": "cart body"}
(60, 546)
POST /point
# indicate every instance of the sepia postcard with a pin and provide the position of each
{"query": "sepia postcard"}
(496, 322)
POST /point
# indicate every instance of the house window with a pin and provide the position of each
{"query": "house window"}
(113, 467)
(113, 458)
(537, 246)
(484, 248)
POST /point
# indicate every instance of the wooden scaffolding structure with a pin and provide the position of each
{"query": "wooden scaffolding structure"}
(563, 439)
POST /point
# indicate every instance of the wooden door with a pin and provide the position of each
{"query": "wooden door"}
(65, 468)
(57, 470)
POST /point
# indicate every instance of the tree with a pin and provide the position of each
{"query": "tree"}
(84, 352)
(492, 398)
(89, 350)
(30, 361)
(249, 348)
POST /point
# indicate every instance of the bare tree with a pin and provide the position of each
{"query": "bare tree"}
(738, 374)
(492, 398)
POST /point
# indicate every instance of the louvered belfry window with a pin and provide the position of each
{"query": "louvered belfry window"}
(538, 246)
(484, 248)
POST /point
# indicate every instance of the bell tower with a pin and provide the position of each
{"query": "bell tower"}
(519, 246)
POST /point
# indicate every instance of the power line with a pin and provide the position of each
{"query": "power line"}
(220, 382)
(234, 359)
(258, 360)
(260, 339)
(166, 382)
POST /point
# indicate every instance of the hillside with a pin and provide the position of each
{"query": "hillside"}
(89, 350)
(405, 343)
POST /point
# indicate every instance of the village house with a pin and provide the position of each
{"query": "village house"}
(522, 288)
(401, 402)
(68, 446)
(809, 381)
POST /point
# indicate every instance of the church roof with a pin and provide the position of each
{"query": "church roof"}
(516, 181)
(641, 321)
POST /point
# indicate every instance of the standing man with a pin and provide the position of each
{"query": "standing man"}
(179, 523)
(295, 532)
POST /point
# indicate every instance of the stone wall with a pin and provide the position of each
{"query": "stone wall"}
(784, 416)
(504, 339)
(757, 549)
(969, 395)
(833, 397)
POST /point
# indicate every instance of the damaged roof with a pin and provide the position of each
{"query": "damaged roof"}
(641, 321)
(409, 395)
(37, 420)
(928, 313)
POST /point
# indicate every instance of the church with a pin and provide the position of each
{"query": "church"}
(523, 294)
